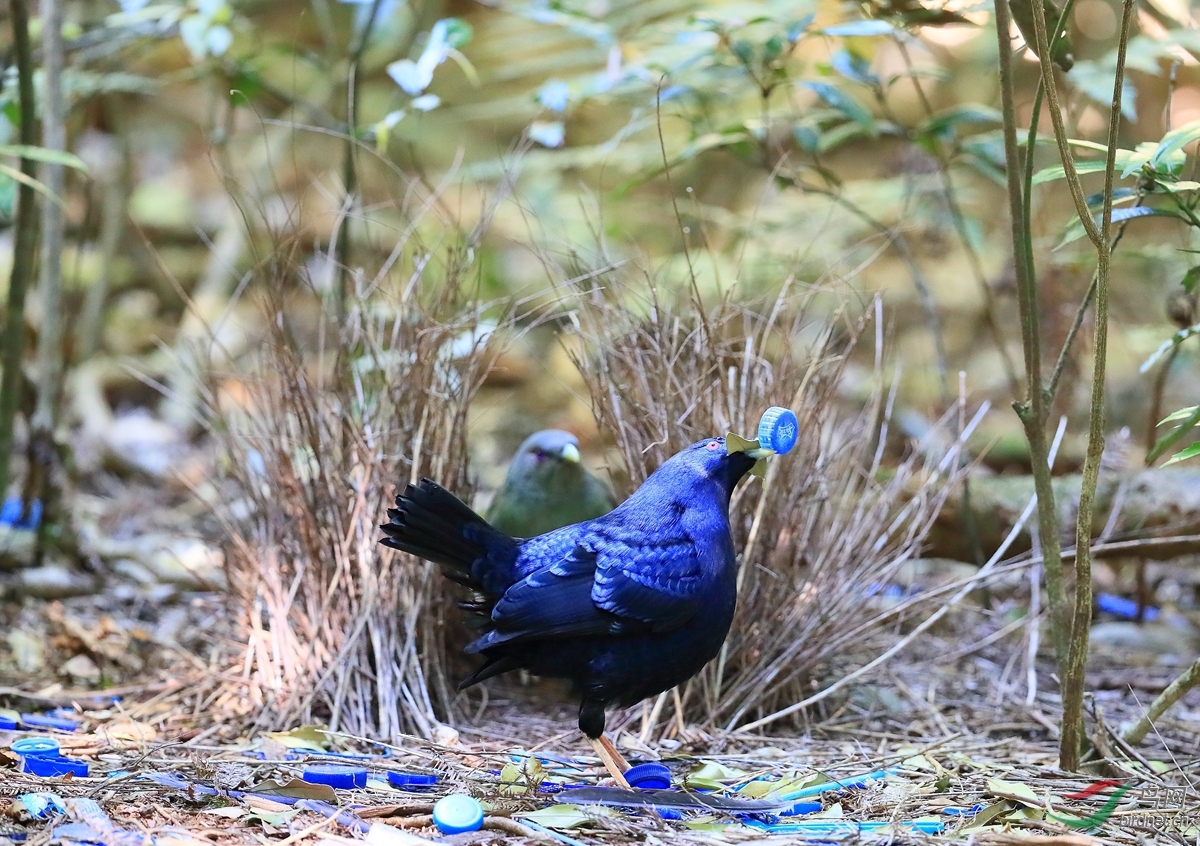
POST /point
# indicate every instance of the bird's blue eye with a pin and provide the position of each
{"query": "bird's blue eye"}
(714, 445)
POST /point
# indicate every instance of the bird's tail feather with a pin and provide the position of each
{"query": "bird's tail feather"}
(432, 523)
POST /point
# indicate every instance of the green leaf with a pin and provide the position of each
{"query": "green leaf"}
(1174, 141)
(1190, 452)
(1167, 441)
(1190, 279)
(1050, 174)
(942, 124)
(844, 103)
(565, 817)
(41, 154)
(1179, 415)
(1174, 341)
(1076, 231)
(13, 173)
(1176, 187)
(1014, 791)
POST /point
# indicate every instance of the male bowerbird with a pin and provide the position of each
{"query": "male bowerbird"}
(625, 606)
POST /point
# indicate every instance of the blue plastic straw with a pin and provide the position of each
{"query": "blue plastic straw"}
(840, 784)
(825, 827)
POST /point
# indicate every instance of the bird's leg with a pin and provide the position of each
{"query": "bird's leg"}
(611, 758)
(612, 750)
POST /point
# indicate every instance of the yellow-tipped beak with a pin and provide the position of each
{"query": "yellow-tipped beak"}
(736, 443)
(570, 453)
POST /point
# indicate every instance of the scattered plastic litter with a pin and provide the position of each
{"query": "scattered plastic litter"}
(53, 766)
(42, 806)
(778, 429)
(651, 776)
(963, 812)
(845, 827)
(457, 813)
(859, 781)
(337, 776)
(37, 747)
(411, 781)
(10, 514)
(1122, 607)
(49, 721)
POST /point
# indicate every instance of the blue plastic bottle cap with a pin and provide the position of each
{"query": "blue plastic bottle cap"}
(778, 429)
(51, 767)
(45, 721)
(457, 813)
(341, 776)
(410, 780)
(652, 776)
(7, 724)
(36, 747)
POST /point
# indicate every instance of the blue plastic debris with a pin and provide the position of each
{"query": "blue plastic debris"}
(36, 747)
(841, 784)
(10, 514)
(963, 812)
(457, 813)
(51, 767)
(411, 781)
(9, 720)
(1122, 607)
(346, 818)
(42, 806)
(843, 827)
(48, 721)
(651, 776)
(778, 430)
(800, 808)
(340, 776)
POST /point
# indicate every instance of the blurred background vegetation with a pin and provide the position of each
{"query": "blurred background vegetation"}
(243, 175)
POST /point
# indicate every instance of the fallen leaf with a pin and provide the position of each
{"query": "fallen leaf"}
(1016, 791)
(295, 789)
(312, 738)
(566, 817)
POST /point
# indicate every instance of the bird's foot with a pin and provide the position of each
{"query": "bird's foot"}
(612, 759)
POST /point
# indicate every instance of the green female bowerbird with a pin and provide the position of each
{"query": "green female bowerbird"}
(547, 487)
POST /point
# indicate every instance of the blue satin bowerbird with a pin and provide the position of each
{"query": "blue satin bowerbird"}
(625, 606)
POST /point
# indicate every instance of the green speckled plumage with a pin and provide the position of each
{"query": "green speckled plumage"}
(547, 488)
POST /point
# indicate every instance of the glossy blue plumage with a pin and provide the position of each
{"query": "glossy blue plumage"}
(626, 605)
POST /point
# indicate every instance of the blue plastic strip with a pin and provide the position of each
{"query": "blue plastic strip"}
(841, 784)
(825, 827)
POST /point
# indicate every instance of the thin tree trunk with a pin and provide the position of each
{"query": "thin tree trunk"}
(23, 248)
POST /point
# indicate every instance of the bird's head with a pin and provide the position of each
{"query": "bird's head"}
(724, 460)
(546, 453)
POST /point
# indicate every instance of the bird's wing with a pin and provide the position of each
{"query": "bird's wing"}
(613, 582)
(657, 581)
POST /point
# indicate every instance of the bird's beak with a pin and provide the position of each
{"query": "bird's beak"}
(736, 443)
(570, 453)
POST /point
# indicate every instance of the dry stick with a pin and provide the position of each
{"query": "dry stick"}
(1032, 410)
(1174, 691)
(1072, 681)
(24, 245)
(980, 576)
(1060, 130)
(49, 352)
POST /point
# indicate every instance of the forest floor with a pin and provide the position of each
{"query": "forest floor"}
(948, 744)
